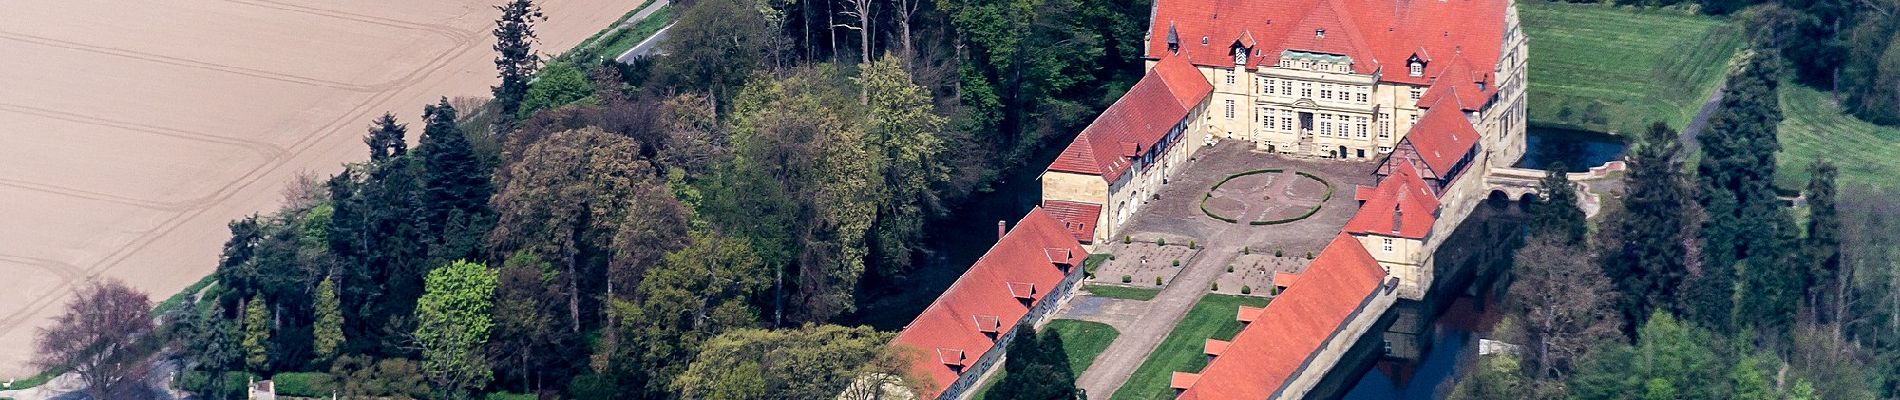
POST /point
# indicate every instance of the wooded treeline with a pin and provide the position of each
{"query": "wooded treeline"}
(1704, 282)
(679, 225)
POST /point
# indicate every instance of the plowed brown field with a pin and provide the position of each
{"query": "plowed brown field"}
(132, 131)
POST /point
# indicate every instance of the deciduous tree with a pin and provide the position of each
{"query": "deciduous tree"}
(1565, 303)
(104, 335)
(452, 326)
(815, 361)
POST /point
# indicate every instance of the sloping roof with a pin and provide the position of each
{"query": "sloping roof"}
(1376, 34)
(1269, 353)
(1402, 206)
(1457, 83)
(1442, 137)
(1077, 217)
(953, 326)
(1137, 121)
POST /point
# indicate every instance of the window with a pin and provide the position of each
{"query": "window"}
(1286, 120)
(1359, 126)
(1387, 246)
(1266, 85)
(1326, 91)
(1230, 77)
(1361, 95)
(1229, 107)
(1417, 69)
(1306, 64)
(1266, 119)
(1414, 120)
(1385, 126)
(1325, 124)
(1319, 33)
(1286, 87)
(1306, 89)
(1417, 93)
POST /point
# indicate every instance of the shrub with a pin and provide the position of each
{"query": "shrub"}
(1177, 262)
(1245, 250)
(303, 384)
(1127, 239)
(1278, 253)
(510, 396)
(1192, 245)
(1214, 286)
(1161, 241)
(1230, 268)
(1244, 289)
(1128, 279)
(1309, 255)
(1157, 280)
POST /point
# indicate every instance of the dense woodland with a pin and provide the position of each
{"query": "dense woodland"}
(695, 225)
(1703, 282)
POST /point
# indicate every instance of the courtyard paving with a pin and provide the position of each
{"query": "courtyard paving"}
(1176, 216)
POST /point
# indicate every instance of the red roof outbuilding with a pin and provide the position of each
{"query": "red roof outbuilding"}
(988, 300)
(1275, 348)
(1403, 205)
(1137, 122)
(1077, 217)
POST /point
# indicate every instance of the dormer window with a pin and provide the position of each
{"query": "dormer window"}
(1240, 56)
(1319, 33)
(1203, 39)
(1416, 69)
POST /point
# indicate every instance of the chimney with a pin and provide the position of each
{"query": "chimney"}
(1398, 215)
(1002, 228)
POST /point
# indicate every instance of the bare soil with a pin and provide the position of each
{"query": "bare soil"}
(133, 131)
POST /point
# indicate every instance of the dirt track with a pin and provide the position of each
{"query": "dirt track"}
(131, 132)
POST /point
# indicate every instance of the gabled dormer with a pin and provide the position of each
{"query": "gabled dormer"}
(1415, 66)
(1174, 40)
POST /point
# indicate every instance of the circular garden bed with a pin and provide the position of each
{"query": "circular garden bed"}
(1248, 197)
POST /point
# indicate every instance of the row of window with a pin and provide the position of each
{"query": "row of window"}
(1315, 65)
(1327, 91)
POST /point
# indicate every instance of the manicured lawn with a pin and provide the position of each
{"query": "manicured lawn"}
(1122, 292)
(1081, 340)
(1602, 68)
(1813, 125)
(1211, 317)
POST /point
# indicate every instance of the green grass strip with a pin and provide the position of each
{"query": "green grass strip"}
(1211, 317)
(1122, 292)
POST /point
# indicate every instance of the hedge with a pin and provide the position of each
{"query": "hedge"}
(1309, 212)
(302, 384)
(1223, 181)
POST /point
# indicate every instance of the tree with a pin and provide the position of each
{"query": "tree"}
(1565, 302)
(714, 47)
(810, 362)
(1649, 259)
(385, 139)
(1827, 294)
(563, 200)
(455, 184)
(515, 58)
(903, 131)
(359, 376)
(529, 334)
(1037, 366)
(104, 336)
(453, 319)
(1498, 377)
(1670, 360)
(329, 325)
(1556, 214)
(557, 85)
(699, 292)
(257, 332)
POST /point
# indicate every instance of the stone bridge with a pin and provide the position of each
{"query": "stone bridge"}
(1525, 184)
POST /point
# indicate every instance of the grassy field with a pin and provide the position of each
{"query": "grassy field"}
(1081, 341)
(1122, 292)
(1615, 69)
(1814, 126)
(1211, 317)
(625, 39)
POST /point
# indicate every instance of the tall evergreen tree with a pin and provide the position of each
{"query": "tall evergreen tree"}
(455, 184)
(1827, 294)
(1556, 214)
(515, 58)
(257, 329)
(1711, 295)
(1651, 257)
(1734, 182)
(385, 138)
(328, 328)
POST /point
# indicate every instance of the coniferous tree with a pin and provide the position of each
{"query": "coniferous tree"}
(515, 58)
(328, 328)
(385, 138)
(1556, 215)
(1744, 219)
(257, 335)
(456, 186)
(1650, 261)
(1827, 292)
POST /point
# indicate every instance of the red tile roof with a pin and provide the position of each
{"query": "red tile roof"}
(1137, 121)
(1079, 218)
(1214, 347)
(1268, 353)
(984, 298)
(1442, 137)
(1457, 83)
(1285, 279)
(1182, 380)
(1402, 206)
(1376, 34)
